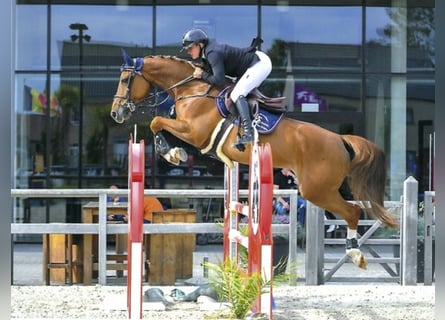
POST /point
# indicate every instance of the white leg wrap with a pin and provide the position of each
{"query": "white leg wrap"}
(351, 234)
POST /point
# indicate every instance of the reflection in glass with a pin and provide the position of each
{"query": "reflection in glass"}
(311, 25)
(30, 37)
(110, 26)
(172, 22)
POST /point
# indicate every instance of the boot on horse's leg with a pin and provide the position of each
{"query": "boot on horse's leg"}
(246, 123)
(161, 144)
(173, 155)
(353, 251)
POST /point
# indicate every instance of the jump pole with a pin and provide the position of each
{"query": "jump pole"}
(259, 211)
(136, 177)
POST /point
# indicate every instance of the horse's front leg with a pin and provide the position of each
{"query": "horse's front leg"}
(178, 128)
(173, 155)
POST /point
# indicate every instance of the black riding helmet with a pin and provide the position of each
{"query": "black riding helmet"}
(194, 36)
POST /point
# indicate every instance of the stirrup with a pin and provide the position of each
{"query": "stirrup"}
(240, 144)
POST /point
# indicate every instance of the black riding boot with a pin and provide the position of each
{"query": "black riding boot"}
(246, 123)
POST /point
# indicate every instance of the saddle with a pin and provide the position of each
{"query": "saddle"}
(256, 99)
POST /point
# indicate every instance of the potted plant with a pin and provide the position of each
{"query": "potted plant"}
(235, 287)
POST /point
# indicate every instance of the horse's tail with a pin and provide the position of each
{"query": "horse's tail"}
(367, 177)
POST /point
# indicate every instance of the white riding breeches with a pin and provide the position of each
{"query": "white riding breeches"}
(253, 77)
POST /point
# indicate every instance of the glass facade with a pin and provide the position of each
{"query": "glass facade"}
(360, 67)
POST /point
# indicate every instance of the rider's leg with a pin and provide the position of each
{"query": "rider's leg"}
(251, 79)
(246, 123)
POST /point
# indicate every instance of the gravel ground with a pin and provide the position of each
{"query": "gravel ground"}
(333, 302)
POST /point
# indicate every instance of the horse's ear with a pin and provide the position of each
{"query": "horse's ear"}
(127, 59)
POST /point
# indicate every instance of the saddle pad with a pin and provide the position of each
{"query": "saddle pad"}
(264, 121)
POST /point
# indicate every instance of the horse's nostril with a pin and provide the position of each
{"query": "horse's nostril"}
(113, 114)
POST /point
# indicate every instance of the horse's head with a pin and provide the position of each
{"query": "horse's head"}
(132, 87)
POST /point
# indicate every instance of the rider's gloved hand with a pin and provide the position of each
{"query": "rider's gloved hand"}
(197, 73)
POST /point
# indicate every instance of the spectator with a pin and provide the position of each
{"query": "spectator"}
(285, 179)
(150, 204)
(116, 199)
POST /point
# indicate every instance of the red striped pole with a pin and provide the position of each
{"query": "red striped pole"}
(260, 239)
(136, 177)
(260, 258)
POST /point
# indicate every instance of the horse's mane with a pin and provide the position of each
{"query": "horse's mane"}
(175, 58)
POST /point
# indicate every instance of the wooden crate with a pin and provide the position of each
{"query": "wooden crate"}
(62, 259)
(170, 256)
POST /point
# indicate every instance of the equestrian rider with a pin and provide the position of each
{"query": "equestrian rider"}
(248, 65)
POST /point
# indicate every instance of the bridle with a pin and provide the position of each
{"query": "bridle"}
(152, 99)
(147, 101)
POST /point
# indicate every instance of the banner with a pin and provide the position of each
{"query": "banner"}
(308, 100)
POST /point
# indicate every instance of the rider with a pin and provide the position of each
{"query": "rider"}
(249, 65)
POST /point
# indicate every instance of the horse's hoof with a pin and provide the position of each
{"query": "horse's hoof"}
(357, 258)
(171, 159)
(179, 154)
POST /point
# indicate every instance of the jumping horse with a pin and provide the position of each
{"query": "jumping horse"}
(321, 160)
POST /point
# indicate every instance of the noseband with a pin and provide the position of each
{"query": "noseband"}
(129, 103)
(147, 101)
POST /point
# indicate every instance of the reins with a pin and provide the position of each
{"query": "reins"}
(147, 100)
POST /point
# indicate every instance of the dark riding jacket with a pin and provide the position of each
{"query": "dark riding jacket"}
(226, 60)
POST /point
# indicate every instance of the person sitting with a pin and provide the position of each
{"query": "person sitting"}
(248, 65)
(285, 179)
(150, 204)
(116, 199)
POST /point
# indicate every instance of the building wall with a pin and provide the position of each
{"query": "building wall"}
(339, 57)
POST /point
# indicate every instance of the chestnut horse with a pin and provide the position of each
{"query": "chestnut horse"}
(321, 160)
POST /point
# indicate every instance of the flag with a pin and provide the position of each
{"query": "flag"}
(35, 102)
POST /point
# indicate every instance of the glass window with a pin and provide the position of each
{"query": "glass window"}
(378, 39)
(315, 47)
(307, 40)
(419, 114)
(101, 32)
(234, 25)
(31, 37)
(326, 92)
(410, 26)
(306, 25)
(89, 96)
(421, 39)
(386, 123)
(31, 129)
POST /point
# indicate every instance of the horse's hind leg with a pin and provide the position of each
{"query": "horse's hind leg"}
(352, 247)
(351, 213)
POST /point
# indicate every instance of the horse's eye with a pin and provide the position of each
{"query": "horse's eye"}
(125, 80)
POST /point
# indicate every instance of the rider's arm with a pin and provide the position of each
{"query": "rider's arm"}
(216, 61)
